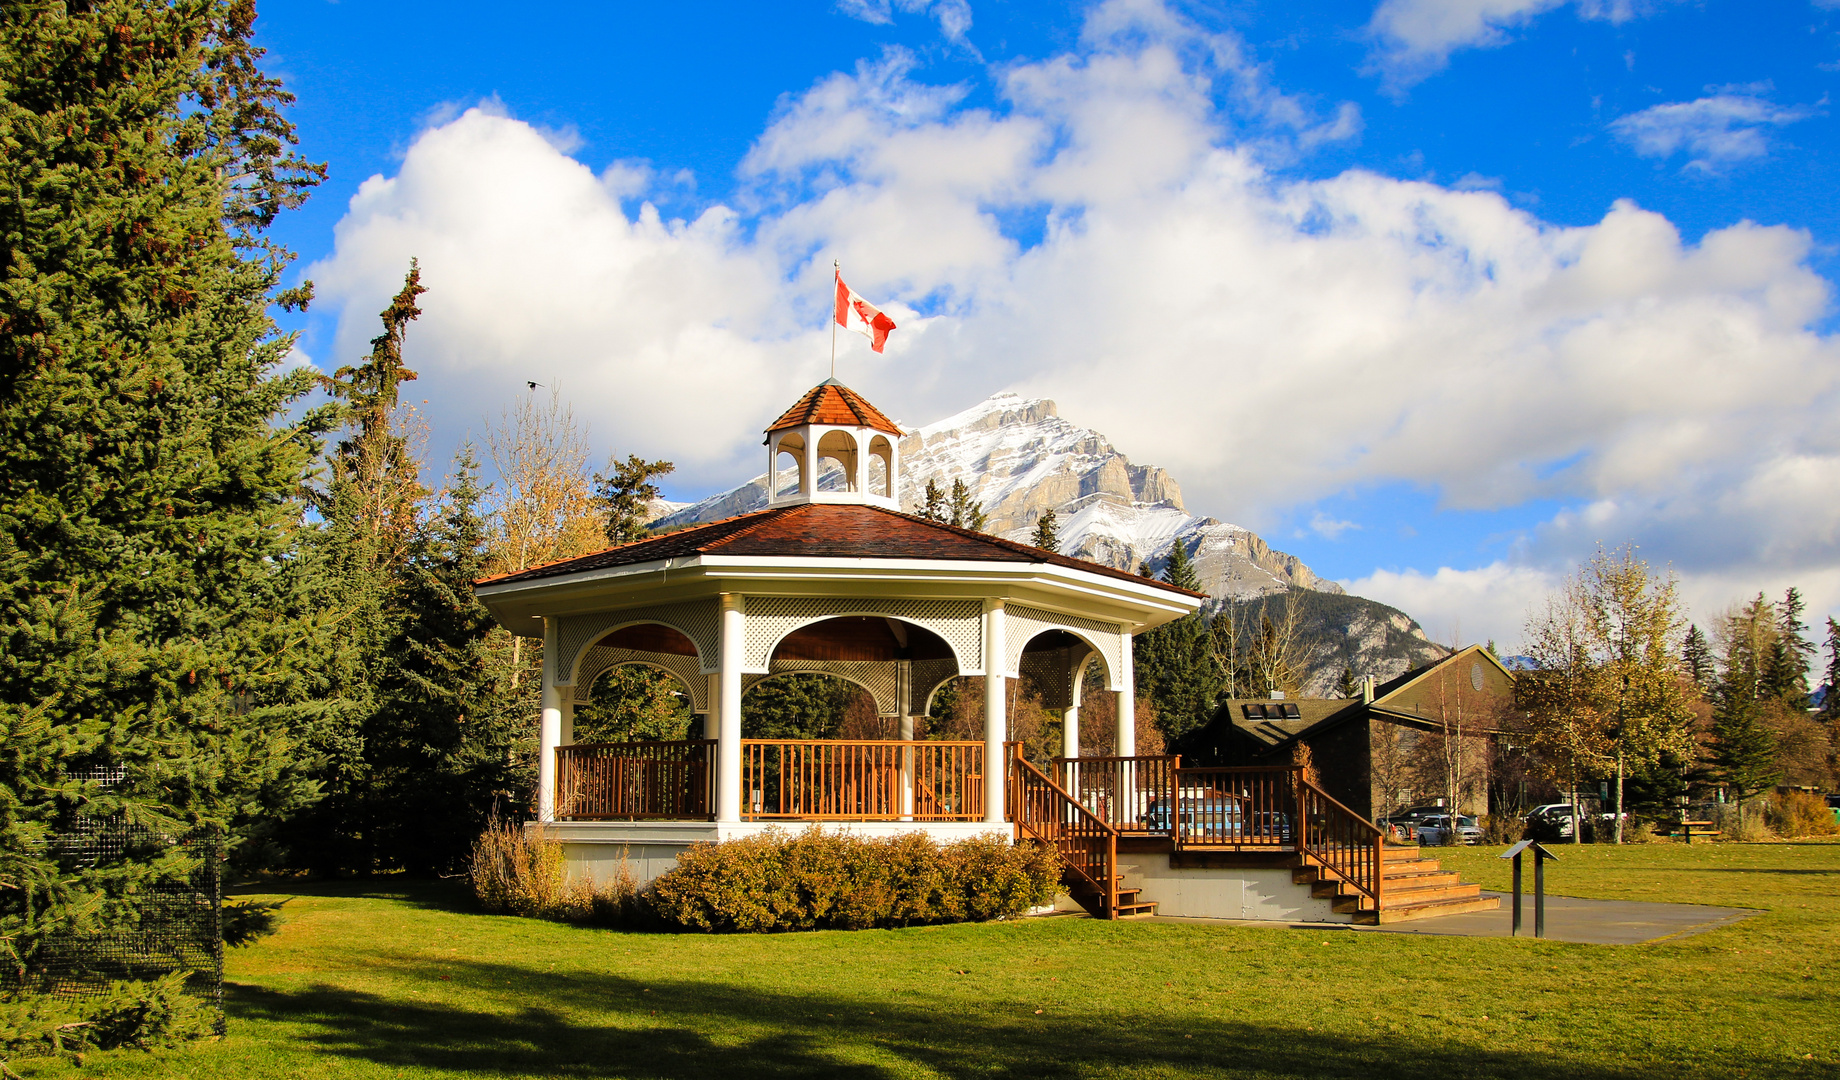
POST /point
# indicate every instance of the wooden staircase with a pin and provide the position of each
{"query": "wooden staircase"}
(1130, 903)
(1412, 887)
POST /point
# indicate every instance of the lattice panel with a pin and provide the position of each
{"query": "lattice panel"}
(1024, 623)
(927, 676)
(880, 678)
(697, 620)
(1054, 673)
(601, 659)
(771, 618)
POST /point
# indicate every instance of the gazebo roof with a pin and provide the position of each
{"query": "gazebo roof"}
(824, 530)
(831, 402)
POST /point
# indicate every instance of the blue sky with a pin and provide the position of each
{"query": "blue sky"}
(1435, 298)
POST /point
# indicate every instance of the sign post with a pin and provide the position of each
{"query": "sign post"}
(1540, 855)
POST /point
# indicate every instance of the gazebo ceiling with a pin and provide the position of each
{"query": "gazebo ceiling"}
(861, 638)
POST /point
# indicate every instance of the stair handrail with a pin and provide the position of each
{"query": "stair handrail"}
(1350, 847)
(1088, 826)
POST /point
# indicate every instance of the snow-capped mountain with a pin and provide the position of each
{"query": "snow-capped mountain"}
(1020, 458)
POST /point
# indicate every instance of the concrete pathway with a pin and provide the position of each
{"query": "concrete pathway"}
(1568, 918)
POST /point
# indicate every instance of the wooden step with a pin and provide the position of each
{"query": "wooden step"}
(1427, 911)
(1408, 897)
(1423, 880)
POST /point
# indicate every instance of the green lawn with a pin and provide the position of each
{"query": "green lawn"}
(390, 979)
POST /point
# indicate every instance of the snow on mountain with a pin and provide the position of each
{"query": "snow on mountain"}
(1020, 457)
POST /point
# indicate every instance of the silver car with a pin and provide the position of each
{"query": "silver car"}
(1434, 831)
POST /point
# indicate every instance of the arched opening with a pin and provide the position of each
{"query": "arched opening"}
(635, 685)
(788, 476)
(881, 467)
(635, 702)
(840, 447)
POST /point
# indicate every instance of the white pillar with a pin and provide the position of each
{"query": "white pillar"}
(712, 707)
(1127, 699)
(808, 477)
(549, 728)
(568, 716)
(728, 749)
(996, 686)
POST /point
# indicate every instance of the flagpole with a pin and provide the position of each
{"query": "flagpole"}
(836, 272)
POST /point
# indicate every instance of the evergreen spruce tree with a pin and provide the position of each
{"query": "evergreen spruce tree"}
(625, 495)
(1830, 704)
(1047, 534)
(450, 741)
(965, 513)
(370, 514)
(933, 507)
(1696, 661)
(148, 467)
(1346, 685)
(1785, 670)
(1175, 663)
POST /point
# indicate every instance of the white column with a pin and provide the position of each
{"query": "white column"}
(996, 686)
(712, 707)
(728, 749)
(808, 484)
(549, 728)
(1127, 698)
(568, 716)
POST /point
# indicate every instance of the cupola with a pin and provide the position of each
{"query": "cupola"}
(833, 422)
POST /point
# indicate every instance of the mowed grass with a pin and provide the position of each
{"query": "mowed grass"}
(396, 979)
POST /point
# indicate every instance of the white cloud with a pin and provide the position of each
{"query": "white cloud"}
(953, 16)
(1459, 607)
(1329, 528)
(1712, 131)
(1414, 38)
(1270, 341)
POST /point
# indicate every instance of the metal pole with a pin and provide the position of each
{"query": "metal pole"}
(1539, 893)
(1517, 898)
(837, 276)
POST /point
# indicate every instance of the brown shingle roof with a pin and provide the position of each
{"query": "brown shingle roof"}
(831, 402)
(823, 530)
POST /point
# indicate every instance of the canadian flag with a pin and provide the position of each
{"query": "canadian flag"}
(855, 313)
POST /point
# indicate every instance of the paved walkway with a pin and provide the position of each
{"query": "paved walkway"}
(1568, 918)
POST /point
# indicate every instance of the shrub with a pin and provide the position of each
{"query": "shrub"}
(1638, 831)
(515, 871)
(1740, 823)
(1798, 813)
(157, 1012)
(1503, 829)
(836, 881)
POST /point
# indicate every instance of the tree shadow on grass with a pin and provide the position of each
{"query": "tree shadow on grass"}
(606, 1025)
(424, 893)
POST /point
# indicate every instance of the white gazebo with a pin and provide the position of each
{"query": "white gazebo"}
(834, 579)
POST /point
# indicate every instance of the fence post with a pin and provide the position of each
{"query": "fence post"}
(1302, 828)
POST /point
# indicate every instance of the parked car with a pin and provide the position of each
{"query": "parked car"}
(1435, 831)
(1222, 819)
(1554, 817)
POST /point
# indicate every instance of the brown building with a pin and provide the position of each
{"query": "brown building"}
(1399, 744)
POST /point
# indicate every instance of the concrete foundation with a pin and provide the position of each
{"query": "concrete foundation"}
(650, 848)
(1224, 892)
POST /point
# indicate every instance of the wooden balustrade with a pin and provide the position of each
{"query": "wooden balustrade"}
(1339, 840)
(1045, 812)
(602, 781)
(1125, 792)
(820, 780)
(1232, 807)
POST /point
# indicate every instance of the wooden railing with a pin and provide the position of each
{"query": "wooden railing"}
(601, 781)
(1232, 807)
(1124, 792)
(1340, 840)
(819, 780)
(1044, 811)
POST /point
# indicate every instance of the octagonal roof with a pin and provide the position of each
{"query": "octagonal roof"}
(831, 402)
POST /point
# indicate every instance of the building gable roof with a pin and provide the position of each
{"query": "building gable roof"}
(831, 402)
(824, 530)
